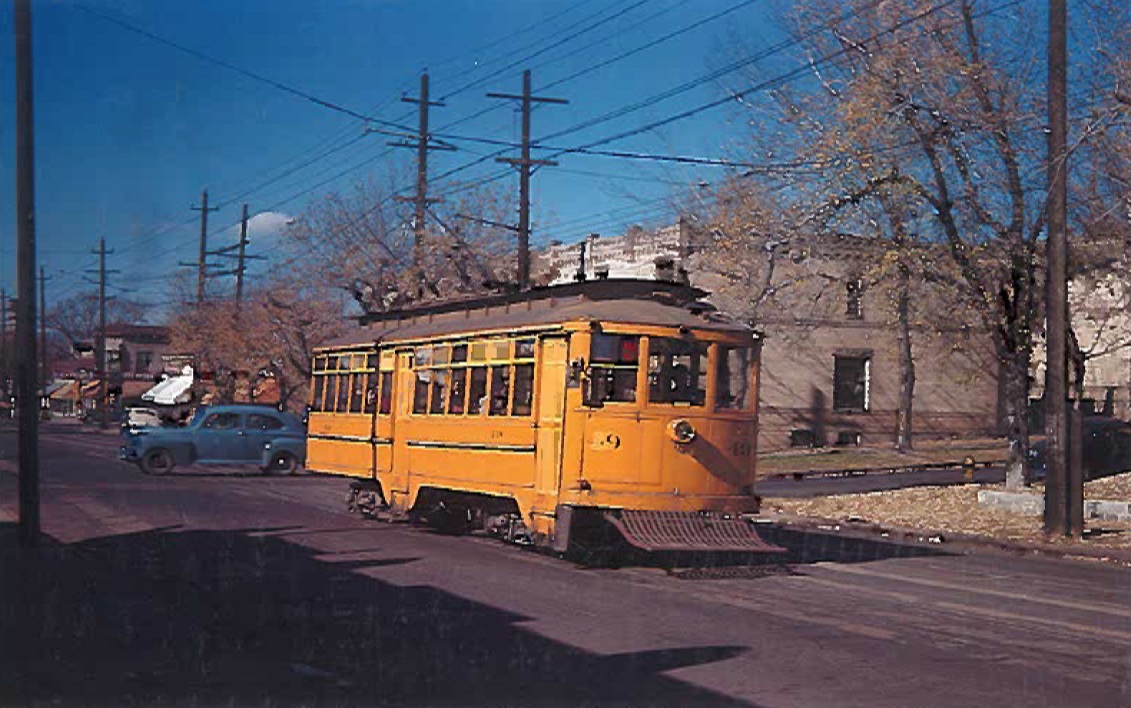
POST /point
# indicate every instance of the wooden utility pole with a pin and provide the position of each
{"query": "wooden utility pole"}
(43, 330)
(1064, 511)
(524, 163)
(28, 443)
(201, 264)
(4, 374)
(103, 369)
(240, 254)
(421, 200)
(240, 267)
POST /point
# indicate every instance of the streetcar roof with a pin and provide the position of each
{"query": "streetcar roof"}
(619, 301)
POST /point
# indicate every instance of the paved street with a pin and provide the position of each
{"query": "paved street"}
(217, 587)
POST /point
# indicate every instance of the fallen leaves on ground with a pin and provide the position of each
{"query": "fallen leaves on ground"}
(954, 509)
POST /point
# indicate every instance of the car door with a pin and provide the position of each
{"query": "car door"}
(259, 429)
(221, 438)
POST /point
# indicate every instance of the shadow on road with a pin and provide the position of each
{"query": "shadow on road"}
(235, 618)
(813, 546)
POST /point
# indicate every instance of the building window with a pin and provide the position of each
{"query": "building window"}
(143, 362)
(854, 292)
(851, 381)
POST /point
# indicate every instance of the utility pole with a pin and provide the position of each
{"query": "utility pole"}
(241, 255)
(200, 264)
(524, 164)
(28, 443)
(1064, 513)
(43, 330)
(4, 342)
(240, 267)
(420, 200)
(103, 369)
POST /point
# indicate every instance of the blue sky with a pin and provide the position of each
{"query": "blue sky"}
(130, 130)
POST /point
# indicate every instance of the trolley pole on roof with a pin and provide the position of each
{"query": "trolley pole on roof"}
(28, 444)
(421, 200)
(524, 163)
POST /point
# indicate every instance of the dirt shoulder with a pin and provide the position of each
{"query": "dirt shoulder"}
(952, 511)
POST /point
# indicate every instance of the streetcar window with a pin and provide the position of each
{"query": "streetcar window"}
(613, 365)
(477, 391)
(343, 393)
(319, 363)
(501, 351)
(459, 353)
(523, 389)
(370, 392)
(677, 371)
(420, 393)
(500, 390)
(357, 393)
(386, 393)
(316, 395)
(439, 391)
(441, 355)
(479, 351)
(459, 386)
(732, 378)
(524, 349)
(422, 357)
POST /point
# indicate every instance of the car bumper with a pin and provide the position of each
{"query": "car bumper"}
(128, 454)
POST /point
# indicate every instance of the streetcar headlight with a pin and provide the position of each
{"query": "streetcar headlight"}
(681, 431)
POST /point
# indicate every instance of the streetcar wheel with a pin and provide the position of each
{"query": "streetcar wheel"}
(157, 462)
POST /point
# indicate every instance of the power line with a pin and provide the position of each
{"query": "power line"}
(243, 72)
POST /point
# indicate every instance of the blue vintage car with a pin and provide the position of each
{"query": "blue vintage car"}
(220, 435)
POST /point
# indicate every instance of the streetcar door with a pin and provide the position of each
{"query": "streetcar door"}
(399, 460)
(552, 375)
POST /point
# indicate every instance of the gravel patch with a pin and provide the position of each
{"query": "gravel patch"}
(954, 509)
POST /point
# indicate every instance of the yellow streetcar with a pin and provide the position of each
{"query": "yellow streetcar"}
(549, 417)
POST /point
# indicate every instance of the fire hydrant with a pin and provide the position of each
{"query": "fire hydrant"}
(968, 468)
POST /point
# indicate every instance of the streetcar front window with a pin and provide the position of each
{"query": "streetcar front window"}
(733, 377)
(677, 371)
(614, 360)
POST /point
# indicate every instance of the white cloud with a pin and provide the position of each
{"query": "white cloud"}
(267, 224)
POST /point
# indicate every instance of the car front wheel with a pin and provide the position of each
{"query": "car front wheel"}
(283, 463)
(157, 462)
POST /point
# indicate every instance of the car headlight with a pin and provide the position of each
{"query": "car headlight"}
(681, 431)
(266, 446)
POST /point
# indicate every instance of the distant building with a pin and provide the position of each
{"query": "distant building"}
(830, 373)
(636, 254)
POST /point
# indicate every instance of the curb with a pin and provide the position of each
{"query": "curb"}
(1034, 505)
(939, 539)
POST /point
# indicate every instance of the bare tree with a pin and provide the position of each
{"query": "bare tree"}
(76, 317)
(363, 243)
(935, 109)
